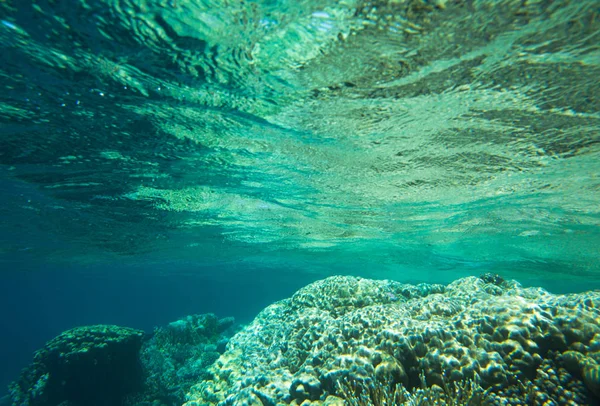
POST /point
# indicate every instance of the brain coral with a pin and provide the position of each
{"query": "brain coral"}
(92, 365)
(521, 345)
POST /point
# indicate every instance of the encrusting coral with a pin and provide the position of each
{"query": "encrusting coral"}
(516, 344)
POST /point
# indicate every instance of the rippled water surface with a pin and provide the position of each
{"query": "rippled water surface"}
(389, 137)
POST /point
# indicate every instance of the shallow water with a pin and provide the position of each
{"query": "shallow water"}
(255, 147)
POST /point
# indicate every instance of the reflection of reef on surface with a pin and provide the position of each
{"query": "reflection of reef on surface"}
(319, 127)
(504, 343)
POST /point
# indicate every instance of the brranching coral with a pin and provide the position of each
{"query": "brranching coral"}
(179, 354)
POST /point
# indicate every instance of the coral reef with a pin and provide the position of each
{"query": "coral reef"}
(85, 366)
(341, 341)
(366, 393)
(178, 355)
(111, 365)
(509, 344)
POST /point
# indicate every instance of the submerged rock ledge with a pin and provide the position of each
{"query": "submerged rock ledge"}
(518, 344)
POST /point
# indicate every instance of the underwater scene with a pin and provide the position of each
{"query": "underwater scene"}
(299, 202)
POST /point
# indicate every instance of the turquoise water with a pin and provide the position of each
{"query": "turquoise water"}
(254, 147)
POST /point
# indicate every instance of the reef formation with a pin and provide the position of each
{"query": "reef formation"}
(91, 365)
(341, 341)
(347, 340)
(178, 355)
(107, 365)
